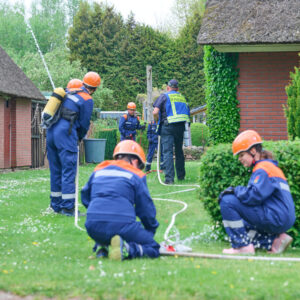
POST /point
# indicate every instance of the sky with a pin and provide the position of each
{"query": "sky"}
(149, 12)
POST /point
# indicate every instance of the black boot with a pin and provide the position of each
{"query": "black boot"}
(147, 168)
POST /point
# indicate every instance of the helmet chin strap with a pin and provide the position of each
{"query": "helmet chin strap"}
(253, 155)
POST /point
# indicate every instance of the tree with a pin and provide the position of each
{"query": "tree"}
(190, 63)
(60, 68)
(118, 50)
(181, 13)
(49, 24)
(12, 40)
(292, 109)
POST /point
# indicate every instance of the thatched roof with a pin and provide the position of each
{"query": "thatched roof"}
(250, 22)
(13, 80)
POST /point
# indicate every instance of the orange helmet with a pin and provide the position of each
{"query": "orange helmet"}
(131, 105)
(92, 79)
(245, 140)
(132, 148)
(74, 83)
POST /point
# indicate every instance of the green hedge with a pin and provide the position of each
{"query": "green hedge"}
(219, 169)
(221, 81)
(199, 134)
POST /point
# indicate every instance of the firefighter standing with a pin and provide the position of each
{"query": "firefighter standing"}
(129, 123)
(152, 136)
(115, 195)
(257, 215)
(62, 141)
(172, 111)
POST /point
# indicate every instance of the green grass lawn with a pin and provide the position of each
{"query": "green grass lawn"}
(45, 255)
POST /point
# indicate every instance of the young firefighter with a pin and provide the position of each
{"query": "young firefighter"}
(257, 215)
(130, 123)
(62, 140)
(152, 137)
(115, 195)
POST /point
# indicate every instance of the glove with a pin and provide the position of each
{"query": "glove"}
(229, 190)
(143, 127)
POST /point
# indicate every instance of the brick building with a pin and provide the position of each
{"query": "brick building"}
(266, 36)
(16, 94)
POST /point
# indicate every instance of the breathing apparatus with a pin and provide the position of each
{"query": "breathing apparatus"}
(49, 114)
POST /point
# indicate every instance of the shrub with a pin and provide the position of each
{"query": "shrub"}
(292, 109)
(141, 138)
(199, 134)
(193, 152)
(105, 129)
(219, 169)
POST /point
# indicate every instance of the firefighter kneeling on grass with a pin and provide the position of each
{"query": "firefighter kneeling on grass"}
(114, 196)
(71, 125)
(129, 123)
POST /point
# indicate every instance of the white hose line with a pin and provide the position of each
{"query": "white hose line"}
(76, 193)
(173, 217)
(202, 255)
(235, 257)
(158, 166)
(166, 234)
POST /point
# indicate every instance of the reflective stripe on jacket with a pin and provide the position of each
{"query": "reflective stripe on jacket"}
(268, 190)
(118, 192)
(177, 108)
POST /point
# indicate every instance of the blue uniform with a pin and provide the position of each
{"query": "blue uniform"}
(152, 137)
(62, 141)
(128, 125)
(115, 195)
(259, 212)
(174, 112)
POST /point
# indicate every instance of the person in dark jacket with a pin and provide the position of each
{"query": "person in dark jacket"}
(62, 141)
(152, 136)
(130, 123)
(172, 111)
(259, 214)
(114, 196)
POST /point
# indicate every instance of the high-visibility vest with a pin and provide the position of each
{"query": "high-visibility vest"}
(176, 108)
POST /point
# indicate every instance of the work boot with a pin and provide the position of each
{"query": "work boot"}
(71, 212)
(119, 249)
(242, 250)
(168, 182)
(147, 168)
(102, 252)
(281, 243)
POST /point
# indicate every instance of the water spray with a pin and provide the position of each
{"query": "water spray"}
(38, 48)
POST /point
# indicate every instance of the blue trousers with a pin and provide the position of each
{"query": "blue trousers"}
(63, 165)
(172, 135)
(151, 150)
(141, 242)
(244, 225)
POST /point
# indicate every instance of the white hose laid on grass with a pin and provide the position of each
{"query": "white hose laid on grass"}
(182, 250)
(76, 192)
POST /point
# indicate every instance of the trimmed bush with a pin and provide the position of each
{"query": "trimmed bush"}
(199, 134)
(219, 169)
(193, 152)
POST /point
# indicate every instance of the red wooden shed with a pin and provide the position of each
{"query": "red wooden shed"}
(16, 94)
